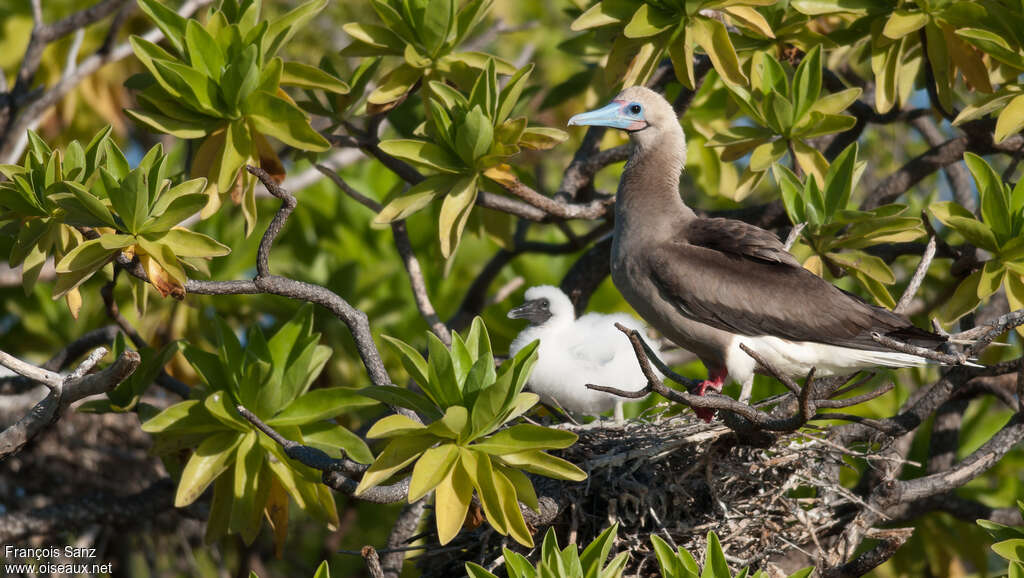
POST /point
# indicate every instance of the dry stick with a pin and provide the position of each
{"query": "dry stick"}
(372, 561)
(919, 275)
(794, 234)
(264, 283)
(895, 345)
(67, 390)
(405, 250)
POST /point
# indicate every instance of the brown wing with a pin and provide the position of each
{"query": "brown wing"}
(737, 289)
(738, 238)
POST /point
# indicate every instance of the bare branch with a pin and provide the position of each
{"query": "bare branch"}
(919, 275)
(70, 389)
(372, 562)
(895, 345)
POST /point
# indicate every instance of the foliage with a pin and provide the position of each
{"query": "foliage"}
(998, 231)
(134, 212)
(250, 473)
(644, 31)
(837, 232)
(466, 446)
(567, 562)
(681, 564)
(470, 138)
(125, 397)
(426, 34)
(222, 84)
(1009, 542)
(792, 110)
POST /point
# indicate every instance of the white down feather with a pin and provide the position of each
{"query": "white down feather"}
(575, 352)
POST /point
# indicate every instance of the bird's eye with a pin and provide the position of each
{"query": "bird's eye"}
(635, 108)
(544, 303)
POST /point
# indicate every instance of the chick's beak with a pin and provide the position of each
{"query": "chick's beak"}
(531, 311)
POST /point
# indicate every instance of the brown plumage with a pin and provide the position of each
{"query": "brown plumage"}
(711, 284)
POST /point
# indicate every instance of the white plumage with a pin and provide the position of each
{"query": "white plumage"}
(574, 352)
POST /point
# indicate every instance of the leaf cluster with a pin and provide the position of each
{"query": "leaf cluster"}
(468, 138)
(837, 232)
(250, 473)
(999, 231)
(466, 446)
(1010, 543)
(221, 83)
(426, 35)
(568, 561)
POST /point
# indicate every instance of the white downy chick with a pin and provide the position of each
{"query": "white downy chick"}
(574, 352)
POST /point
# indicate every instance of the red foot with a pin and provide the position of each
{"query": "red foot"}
(714, 382)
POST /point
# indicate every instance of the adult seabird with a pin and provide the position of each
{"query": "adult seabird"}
(711, 284)
(574, 352)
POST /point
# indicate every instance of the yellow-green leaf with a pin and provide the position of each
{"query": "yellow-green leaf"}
(455, 212)
(713, 37)
(431, 469)
(451, 502)
(396, 455)
(903, 22)
(1011, 119)
(393, 426)
(209, 460)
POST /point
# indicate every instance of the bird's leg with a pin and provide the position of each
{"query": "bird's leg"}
(617, 412)
(715, 381)
(747, 390)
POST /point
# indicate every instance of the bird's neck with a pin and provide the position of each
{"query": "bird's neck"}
(649, 189)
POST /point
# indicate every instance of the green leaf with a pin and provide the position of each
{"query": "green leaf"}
(395, 85)
(509, 96)
(870, 265)
(177, 211)
(474, 136)
(168, 21)
(189, 416)
(431, 469)
(538, 462)
(281, 29)
(203, 52)
(276, 117)
(320, 404)
(594, 555)
(209, 460)
(648, 21)
(165, 124)
(394, 426)
(995, 210)
(378, 40)
(524, 437)
(398, 454)
(81, 262)
(903, 22)
(807, 83)
(455, 212)
(715, 565)
(963, 301)
(414, 199)
(422, 154)
(540, 138)
(305, 76)
(411, 359)
(839, 180)
(331, 438)
(713, 37)
(1012, 550)
(668, 563)
(836, 102)
(451, 502)
(1011, 119)
(442, 386)
(474, 570)
(396, 396)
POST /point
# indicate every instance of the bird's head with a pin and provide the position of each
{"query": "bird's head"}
(641, 112)
(544, 304)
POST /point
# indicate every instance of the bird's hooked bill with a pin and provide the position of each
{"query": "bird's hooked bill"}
(532, 311)
(615, 115)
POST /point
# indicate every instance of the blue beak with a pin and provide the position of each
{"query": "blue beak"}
(608, 115)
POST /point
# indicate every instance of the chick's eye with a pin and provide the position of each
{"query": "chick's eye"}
(635, 108)
(544, 303)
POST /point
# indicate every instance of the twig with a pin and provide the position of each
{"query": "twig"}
(372, 562)
(63, 393)
(794, 234)
(919, 275)
(895, 345)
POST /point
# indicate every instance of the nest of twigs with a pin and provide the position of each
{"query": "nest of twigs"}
(679, 478)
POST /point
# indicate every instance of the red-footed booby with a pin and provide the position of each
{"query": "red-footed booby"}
(574, 352)
(712, 284)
